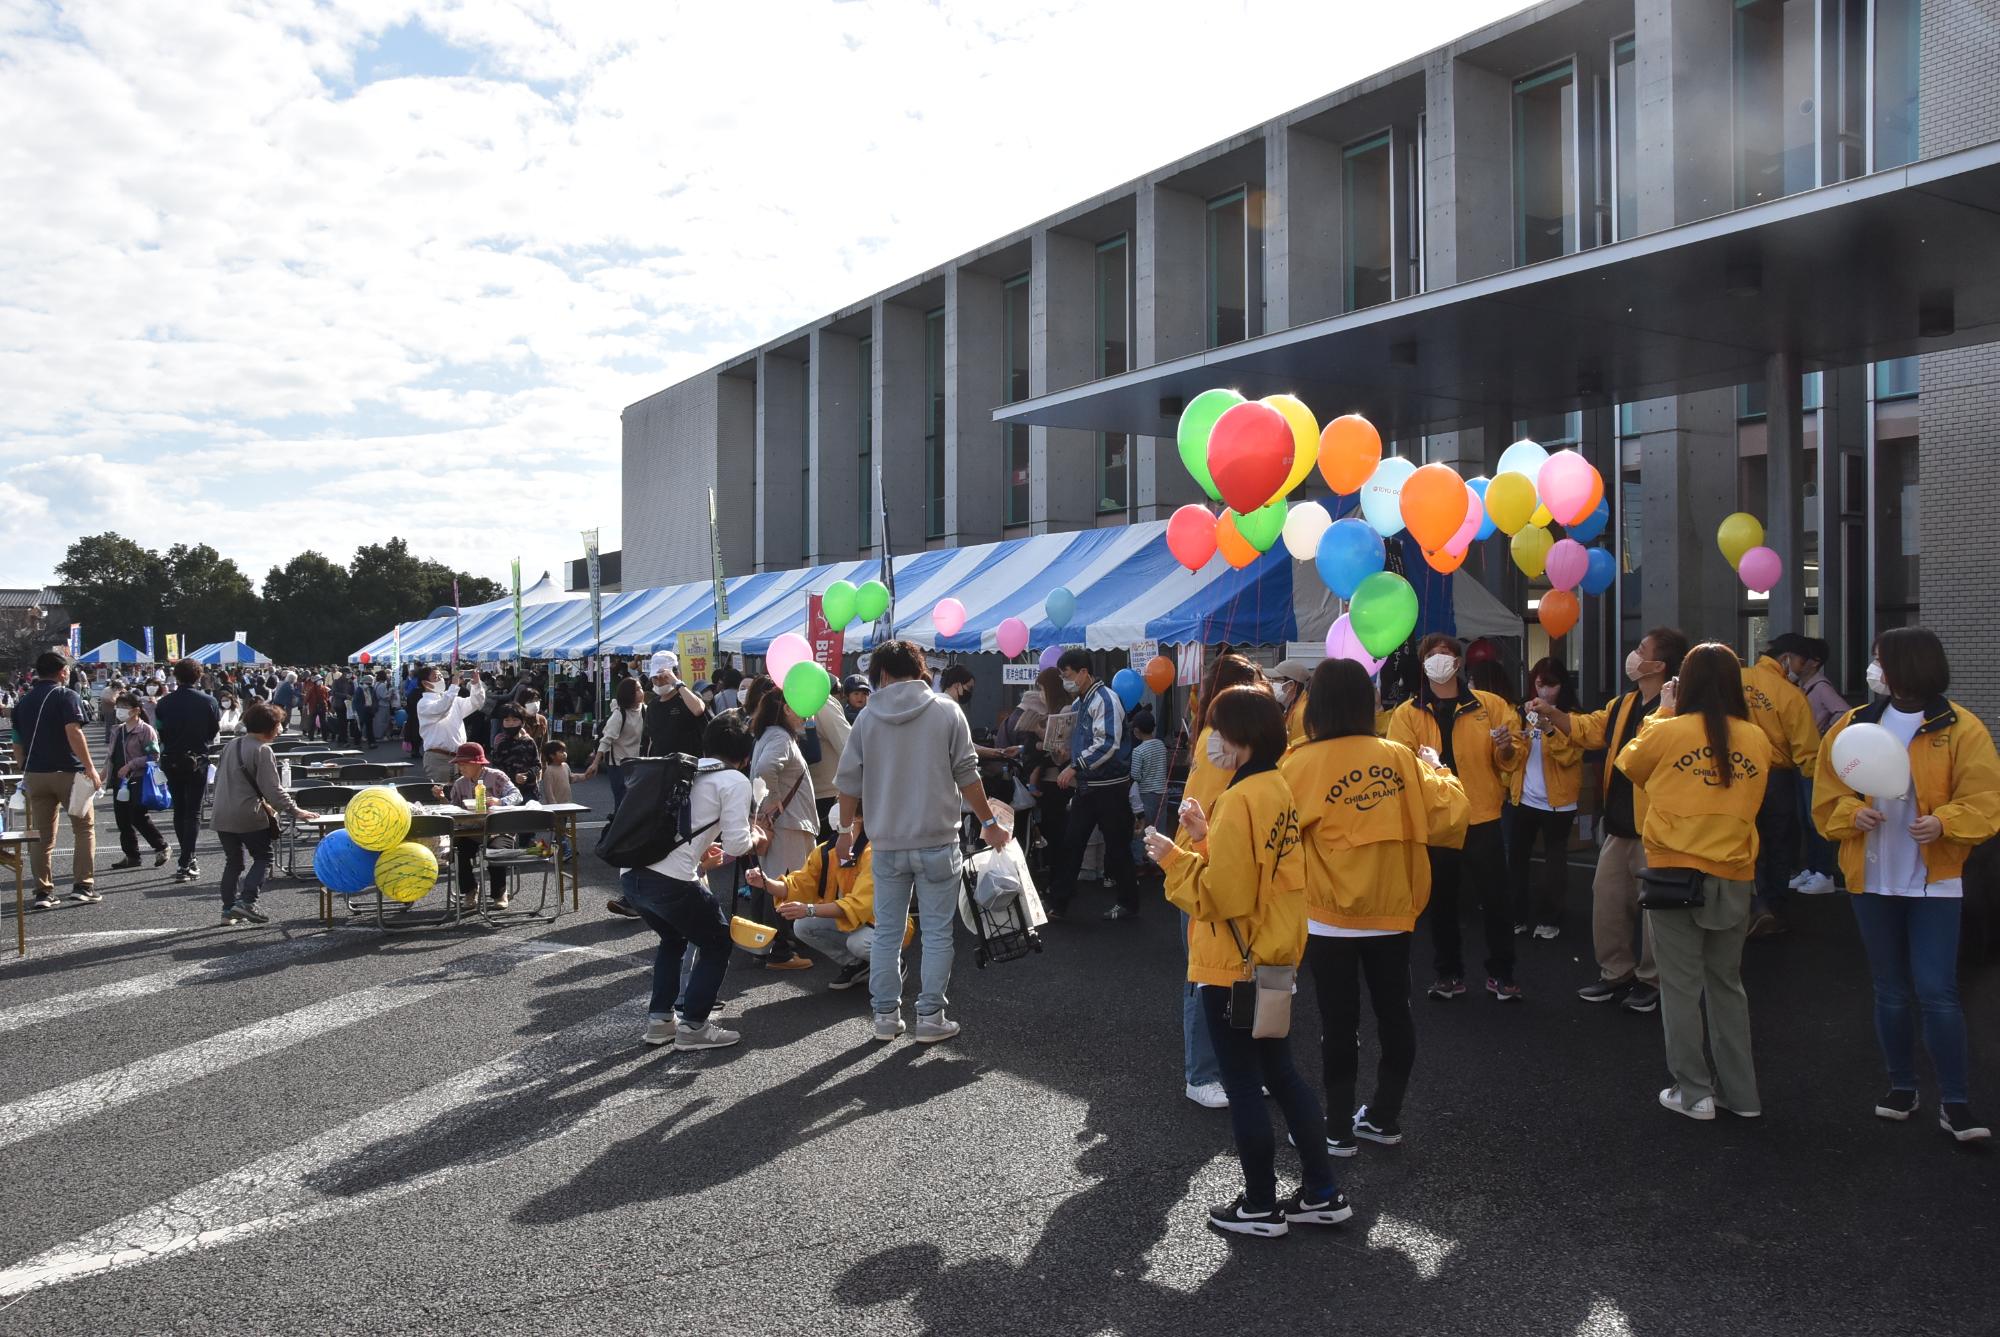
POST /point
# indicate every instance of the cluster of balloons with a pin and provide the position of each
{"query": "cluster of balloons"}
(845, 601)
(371, 850)
(789, 660)
(1741, 538)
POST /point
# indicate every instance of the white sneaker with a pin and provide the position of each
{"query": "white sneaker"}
(708, 1035)
(1701, 1109)
(889, 1025)
(933, 1028)
(1813, 884)
(660, 1031)
(1209, 1095)
(1800, 878)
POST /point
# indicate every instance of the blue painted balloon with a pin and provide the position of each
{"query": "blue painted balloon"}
(343, 866)
(1486, 526)
(1350, 551)
(1603, 572)
(1129, 686)
(1592, 525)
(1060, 606)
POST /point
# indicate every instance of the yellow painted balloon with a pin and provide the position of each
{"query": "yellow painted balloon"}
(407, 872)
(377, 818)
(1305, 438)
(1738, 534)
(1510, 501)
(1541, 519)
(1531, 549)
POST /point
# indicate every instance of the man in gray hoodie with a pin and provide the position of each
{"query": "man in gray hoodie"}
(907, 763)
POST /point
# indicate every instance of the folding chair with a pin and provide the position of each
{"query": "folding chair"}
(423, 829)
(417, 791)
(520, 822)
(362, 771)
(313, 798)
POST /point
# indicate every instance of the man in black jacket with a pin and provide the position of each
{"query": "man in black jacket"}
(675, 717)
(188, 720)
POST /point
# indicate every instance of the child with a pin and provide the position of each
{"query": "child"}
(556, 778)
(1149, 786)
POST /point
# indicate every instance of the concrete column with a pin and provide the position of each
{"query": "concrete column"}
(1062, 328)
(735, 480)
(781, 426)
(1468, 172)
(1843, 425)
(1687, 469)
(1784, 486)
(974, 366)
(1682, 61)
(1302, 229)
(836, 446)
(1170, 275)
(899, 422)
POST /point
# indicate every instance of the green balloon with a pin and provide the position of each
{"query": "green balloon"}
(871, 600)
(807, 686)
(1263, 525)
(1383, 613)
(1197, 421)
(838, 604)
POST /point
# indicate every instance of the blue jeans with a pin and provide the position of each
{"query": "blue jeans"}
(1197, 1053)
(932, 876)
(1815, 850)
(1912, 944)
(684, 914)
(1247, 1063)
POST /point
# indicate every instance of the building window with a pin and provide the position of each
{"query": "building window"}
(1114, 340)
(1895, 128)
(1752, 398)
(1014, 303)
(1776, 117)
(805, 460)
(866, 399)
(1228, 269)
(1366, 215)
(934, 423)
(1896, 379)
(1545, 165)
(1555, 432)
(1624, 140)
(1897, 557)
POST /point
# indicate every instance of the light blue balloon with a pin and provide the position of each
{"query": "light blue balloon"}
(1060, 606)
(1350, 551)
(1603, 572)
(1486, 526)
(1129, 686)
(1592, 525)
(1382, 496)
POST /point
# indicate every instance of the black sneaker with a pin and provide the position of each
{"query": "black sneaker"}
(1897, 1105)
(1505, 991)
(44, 901)
(1446, 986)
(850, 976)
(1386, 1131)
(1604, 991)
(253, 914)
(1117, 912)
(1641, 998)
(618, 907)
(1341, 1146)
(124, 863)
(1307, 1211)
(84, 895)
(231, 916)
(1238, 1218)
(1962, 1123)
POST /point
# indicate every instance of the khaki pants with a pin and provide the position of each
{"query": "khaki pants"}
(1614, 912)
(1701, 956)
(48, 793)
(438, 768)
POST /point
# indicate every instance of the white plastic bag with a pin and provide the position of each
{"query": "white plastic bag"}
(81, 793)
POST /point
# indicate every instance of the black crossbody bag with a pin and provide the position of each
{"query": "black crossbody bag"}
(1670, 888)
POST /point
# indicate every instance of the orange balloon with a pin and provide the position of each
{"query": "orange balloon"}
(1349, 450)
(1160, 674)
(1229, 541)
(1434, 505)
(1559, 612)
(1596, 495)
(1446, 562)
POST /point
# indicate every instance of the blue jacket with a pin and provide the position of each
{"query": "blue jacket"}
(1100, 749)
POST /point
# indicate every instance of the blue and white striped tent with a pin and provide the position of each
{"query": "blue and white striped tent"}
(228, 652)
(114, 652)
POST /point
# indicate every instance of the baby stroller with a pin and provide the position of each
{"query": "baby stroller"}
(998, 900)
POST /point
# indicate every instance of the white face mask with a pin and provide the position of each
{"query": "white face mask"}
(434, 685)
(1632, 663)
(124, 713)
(1876, 682)
(1219, 755)
(1286, 691)
(1547, 693)
(1072, 686)
(1441, 667)
(532, 709)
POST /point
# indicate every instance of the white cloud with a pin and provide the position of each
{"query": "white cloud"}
(251, 298)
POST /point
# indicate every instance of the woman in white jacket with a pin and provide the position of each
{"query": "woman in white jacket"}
(787, 807)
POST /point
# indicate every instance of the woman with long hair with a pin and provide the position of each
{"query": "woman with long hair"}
(624, 733)
(787, 809)
(1545, 792)
(1704, 768)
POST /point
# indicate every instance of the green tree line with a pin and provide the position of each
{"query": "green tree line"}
(312, 610)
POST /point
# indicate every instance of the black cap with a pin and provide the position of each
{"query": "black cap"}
(855, 682)
(1789, 643)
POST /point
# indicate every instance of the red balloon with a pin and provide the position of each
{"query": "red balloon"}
(364, 656)
(1191, 536)
(1250, 455)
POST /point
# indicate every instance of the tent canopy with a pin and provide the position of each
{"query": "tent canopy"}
(114, 652)
(228, 652)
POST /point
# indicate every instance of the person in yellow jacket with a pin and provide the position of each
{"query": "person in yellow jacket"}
(1544, 790)
(1614, 889)
(831, 906)
(1368, 810)
(1781, 710)
(1477, 735)
(1904, 858)
(1241, 879)
(1705, 768)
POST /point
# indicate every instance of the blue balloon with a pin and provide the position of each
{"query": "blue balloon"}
(1603, 571)
(1129, 686)
(1486, 525)
(343, 866)
(1592, 525)
(1350, 551)
(1060, 606)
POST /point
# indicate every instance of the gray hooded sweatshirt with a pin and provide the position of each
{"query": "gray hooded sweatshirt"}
(908, 756)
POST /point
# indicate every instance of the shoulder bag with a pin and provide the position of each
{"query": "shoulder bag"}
(1261, 1001)
(1670, 888)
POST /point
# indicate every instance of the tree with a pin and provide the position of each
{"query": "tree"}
(209, 597)
(307, 616)
(388, 584)
(114, 588)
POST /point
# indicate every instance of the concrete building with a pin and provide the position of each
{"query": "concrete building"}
(964, 402)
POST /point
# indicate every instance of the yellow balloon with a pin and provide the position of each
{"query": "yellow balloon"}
(1738, 534)
(407, 872)
(1541, 519)
(1531, 549)
(1305, 438)
(377, 818)
(1510, 500)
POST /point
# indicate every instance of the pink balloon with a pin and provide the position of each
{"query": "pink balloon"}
(1342, 643)
(1567, 485)
(1568, 563)
(786, 649)
(1011, 636)
(1475, 516)
(948, 617)
(1761, 569)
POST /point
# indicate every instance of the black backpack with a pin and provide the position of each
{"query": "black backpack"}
(653, 820)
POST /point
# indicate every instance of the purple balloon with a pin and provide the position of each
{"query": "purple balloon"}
(1049, 657)
(1342, 643)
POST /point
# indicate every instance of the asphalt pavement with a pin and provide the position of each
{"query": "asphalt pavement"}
(288, 1129)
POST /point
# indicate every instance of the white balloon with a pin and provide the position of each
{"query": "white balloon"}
(1382, 495)
(1868, 760)
(1304, 523)
(1523, 457)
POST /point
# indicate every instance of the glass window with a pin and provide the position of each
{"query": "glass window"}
(934, 423)
(1896, 379)
(805, 459)
(1114, 341)
(866, 399)
(1896, 532)
(1555, 431)
(1625, 139)
(1895, 83)
(1228, 269)
(1365, 209)
(1776, 120)
(1628, 420)
(1752, 399)
(1545, 168)
(1015, 298)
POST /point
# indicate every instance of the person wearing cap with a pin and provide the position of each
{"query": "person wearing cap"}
(854, 693)
(473, 770)
(1289, 681)
(1779, 708)
(675, 717)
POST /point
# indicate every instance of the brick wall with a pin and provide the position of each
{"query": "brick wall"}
(1958, 91)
